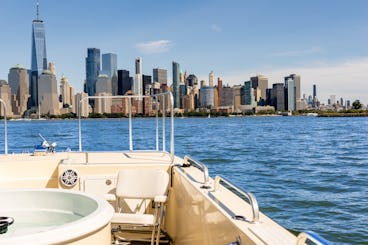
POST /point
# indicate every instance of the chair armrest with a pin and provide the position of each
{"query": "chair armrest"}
(160, 199)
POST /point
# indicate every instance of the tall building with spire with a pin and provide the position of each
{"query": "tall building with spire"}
(39, 58)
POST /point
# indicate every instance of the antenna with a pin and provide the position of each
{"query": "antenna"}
(38, 12)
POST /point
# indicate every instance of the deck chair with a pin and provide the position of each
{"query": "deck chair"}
(145, 185)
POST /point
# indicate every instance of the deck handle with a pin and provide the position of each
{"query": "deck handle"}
(239, 192)
(189, 161)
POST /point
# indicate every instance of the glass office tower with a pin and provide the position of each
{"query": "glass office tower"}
(39, 58)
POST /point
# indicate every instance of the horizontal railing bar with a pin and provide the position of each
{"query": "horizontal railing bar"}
(188, 160)
(251, 198)
(130, 116)
(312, 236)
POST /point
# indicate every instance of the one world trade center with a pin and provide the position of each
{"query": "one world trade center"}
(39, 59)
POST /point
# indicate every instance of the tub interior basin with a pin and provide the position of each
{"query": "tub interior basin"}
(42, 211)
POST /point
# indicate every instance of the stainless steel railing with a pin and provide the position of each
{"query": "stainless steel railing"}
(250, 197)
(306, 236)
(189, 161)
(162, 96)
(5, 128)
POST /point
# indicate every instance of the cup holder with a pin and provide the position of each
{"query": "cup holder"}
(4, 223)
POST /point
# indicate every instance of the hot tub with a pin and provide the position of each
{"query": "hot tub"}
(49, 216)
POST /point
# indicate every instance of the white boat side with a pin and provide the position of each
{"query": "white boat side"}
(199, 209)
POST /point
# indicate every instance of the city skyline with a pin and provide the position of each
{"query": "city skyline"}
(319, 41)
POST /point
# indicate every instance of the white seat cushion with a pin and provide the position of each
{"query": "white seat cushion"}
(131, 218)
(109, 197)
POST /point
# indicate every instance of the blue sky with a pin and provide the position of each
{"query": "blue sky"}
(326, 42)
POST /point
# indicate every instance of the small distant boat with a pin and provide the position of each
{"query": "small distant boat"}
(312, 114)
(287, 113)
(209, 115)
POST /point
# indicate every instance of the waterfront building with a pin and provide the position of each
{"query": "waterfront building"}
(315, 100)
(18, 78)
(176, 83)
(92, 70)
(109, 64)
(278, 96)
(191, 80)
(269, 96)
(138, 83)
(48, 98)
(110, 68)
(227, 96)
(66, 96)
(103, 84)
(147, 84)
(39, 57)
(83, 107)
(332, 100)
(206, 97)
(124, 82)
(73, 105)
(291, 94)
(219, 90)
(160, 76)
(210, 79)
(5, 95)
(182, 92)
(297, 92)
(237, 97)
(52, 68)
(247, 94)
(260, 82)
(103, 105)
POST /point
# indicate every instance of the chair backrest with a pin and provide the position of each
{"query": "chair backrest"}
(141, 183)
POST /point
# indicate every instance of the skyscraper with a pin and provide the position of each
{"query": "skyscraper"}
(291, 94)
(210, 79)
(247, 94)
(39, 58)
(260, 82)
(138, 83)
(160, 76)
(124, 82)
(191, 80)
(92, 70)
(110, 68)
(109, 64)
(47, 92)
(278, 96)
(18, 81)
(176, 81)
(296, 90)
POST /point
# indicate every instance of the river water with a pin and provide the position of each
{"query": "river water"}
(307, 173)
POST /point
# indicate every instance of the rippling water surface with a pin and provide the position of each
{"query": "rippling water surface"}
(307, 173)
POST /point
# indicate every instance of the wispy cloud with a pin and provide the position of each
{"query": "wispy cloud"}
(216, 28)
(155, 47)
(345, 78)
(312, 50)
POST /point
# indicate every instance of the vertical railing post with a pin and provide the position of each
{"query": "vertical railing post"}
(163, 124)
(130, 125)
(172, 148)
(5, 129)
(79, 125)
(157, 143)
